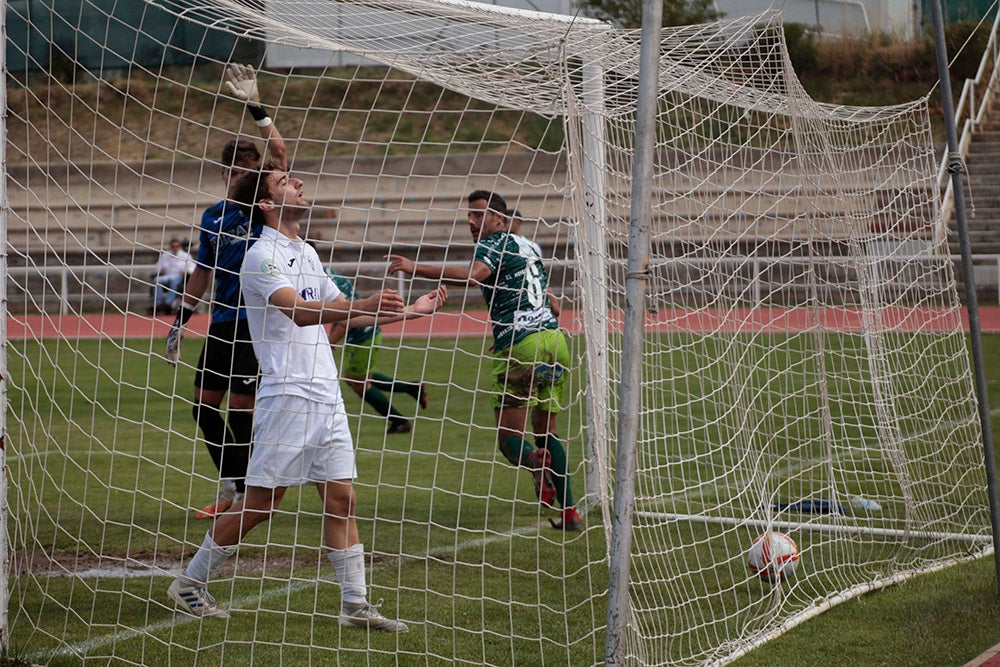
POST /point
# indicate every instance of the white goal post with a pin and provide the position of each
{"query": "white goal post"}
(804, 367)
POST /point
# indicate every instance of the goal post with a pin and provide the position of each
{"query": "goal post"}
(803, 361)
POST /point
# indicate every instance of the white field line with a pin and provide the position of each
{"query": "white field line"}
(81, 649)
(483, 454)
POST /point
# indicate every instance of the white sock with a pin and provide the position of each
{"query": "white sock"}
(350, 566)
(229, 486)
(207, 560)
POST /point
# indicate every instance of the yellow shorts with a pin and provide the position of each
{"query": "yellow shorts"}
(534, 372)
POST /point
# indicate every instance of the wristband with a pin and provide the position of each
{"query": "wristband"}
(257, 113)
(263, 123)
(185, 313)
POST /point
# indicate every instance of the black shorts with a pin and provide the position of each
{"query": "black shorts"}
(227, 359)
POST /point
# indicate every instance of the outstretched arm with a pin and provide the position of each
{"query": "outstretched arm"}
(474, 274)
(381, 304)
(425, 305)
(382, 307)
(241, 81)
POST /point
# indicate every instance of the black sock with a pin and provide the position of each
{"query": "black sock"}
(236, 453)
(380, 402)
(392, 385)
(213, 428)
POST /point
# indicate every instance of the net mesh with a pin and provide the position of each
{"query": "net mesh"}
(804, 365)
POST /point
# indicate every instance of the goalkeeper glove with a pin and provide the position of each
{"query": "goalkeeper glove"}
(242, 84)
(177, 333)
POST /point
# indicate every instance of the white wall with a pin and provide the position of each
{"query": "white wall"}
(280, 56)
(837, 17)
(833, 17)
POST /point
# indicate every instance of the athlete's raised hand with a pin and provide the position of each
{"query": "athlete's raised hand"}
(241, 81)
(385, 302)
(429, 302)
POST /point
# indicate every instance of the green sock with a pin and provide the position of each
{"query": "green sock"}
(515, 450)
(380, 402)
(391, 384)
(560, 475)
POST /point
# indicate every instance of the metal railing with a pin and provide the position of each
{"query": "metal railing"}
(970, 110)
(73, 289)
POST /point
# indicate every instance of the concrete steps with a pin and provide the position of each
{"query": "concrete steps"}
(983, 194)
(118, 215)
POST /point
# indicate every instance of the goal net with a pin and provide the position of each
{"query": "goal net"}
(804, 363)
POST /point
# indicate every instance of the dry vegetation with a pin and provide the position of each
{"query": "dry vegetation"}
(137, 117)
(179, 112)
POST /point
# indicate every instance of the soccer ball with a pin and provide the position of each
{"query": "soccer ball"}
(773, 557)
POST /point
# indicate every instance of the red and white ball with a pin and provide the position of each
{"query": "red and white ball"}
(773, 557)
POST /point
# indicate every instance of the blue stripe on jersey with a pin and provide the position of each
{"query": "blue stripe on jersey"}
(225, 237)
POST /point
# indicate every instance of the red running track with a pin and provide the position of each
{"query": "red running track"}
(476, 323)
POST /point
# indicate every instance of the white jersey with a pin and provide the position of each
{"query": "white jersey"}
(294, 360)
(535, 248)
(174, 265)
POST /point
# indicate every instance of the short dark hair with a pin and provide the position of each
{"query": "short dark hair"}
(250, 188)
(240, 152)
(494, 202)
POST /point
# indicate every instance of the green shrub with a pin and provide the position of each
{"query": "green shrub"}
(803, 47)
(966, 41)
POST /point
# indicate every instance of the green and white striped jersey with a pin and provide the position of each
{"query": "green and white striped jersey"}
(517, 290)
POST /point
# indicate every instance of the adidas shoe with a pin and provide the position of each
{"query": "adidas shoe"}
(422, 399)
(367, 615)
(195, 599)
(570, 520)
(540, 462)
(222, 502)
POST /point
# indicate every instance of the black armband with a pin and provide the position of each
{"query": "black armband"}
(184, 313)
(257, 113)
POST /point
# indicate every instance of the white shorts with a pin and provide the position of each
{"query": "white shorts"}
(297, 441)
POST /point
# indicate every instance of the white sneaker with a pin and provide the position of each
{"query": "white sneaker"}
(195, 599)
(367, 615)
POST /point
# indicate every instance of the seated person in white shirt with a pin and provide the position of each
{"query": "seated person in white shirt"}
(172, 269)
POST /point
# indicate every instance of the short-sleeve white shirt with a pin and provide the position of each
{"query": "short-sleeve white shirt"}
(174, 265)
(294, 360)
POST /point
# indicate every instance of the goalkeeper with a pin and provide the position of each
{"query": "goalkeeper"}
(531, 358)
(227, 362)
(361, 345)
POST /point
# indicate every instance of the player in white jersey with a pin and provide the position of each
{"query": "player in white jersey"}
(301, 433)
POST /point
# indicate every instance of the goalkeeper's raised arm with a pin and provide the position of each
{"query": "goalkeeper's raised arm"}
(237, 157)
(241, 82)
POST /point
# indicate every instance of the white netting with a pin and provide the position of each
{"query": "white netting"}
(804, 362)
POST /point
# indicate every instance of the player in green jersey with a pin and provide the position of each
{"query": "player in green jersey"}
(531, 357)
(361, 346)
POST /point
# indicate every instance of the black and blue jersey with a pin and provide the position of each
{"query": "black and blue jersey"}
(225, 237)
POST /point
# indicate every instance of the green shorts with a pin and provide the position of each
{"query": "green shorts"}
(532, 373)
(359, 358)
